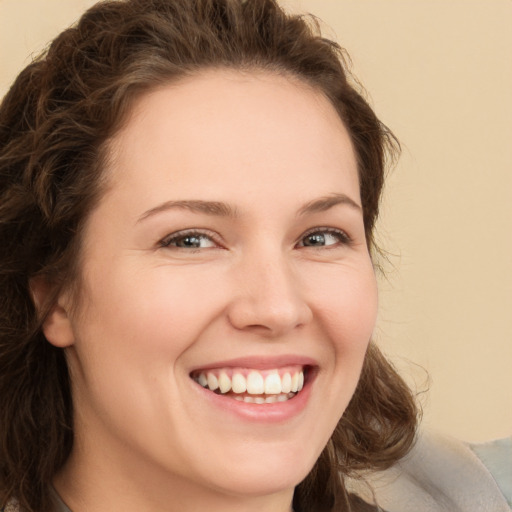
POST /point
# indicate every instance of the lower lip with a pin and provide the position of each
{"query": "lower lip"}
(263, 413)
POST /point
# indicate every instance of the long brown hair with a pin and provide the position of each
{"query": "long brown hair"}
(55, 124)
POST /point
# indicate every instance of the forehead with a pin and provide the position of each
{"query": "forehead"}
(233, 131)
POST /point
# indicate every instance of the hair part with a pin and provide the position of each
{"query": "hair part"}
(56, 122)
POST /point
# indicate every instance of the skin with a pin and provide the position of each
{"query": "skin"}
(146, 438)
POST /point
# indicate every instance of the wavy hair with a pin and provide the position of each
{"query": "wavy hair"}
(55, 124)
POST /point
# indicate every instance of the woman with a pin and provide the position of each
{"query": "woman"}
(188, 197)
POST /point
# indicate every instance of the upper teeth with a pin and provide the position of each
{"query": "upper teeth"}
(254, 382)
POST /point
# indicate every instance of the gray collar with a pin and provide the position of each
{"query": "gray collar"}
(60, 506)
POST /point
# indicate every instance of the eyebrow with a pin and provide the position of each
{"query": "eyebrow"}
(325, 203)
(208, 207)
(220, 209)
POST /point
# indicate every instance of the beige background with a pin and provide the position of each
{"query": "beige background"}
(440, 75)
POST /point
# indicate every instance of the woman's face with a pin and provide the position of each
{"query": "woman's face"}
(229, 248)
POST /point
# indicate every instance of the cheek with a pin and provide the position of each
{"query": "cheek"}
(347, 306)
(132, 331)
(142, 314)
(346, 311)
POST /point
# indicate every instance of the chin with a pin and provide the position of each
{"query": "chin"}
(265, 474)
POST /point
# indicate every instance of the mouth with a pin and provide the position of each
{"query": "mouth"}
(254, 386)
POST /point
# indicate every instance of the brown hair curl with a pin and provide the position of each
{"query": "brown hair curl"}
(55, 123)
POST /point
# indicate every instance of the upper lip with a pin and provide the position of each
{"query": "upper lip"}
(260, 362)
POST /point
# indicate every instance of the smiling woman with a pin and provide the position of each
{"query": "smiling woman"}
(188, 191)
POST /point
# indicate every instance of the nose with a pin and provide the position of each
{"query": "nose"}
(268, 298)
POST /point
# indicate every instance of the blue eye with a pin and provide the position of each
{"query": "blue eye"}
(324, 238)
(190, 240)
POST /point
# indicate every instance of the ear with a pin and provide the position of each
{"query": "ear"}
(56, 326)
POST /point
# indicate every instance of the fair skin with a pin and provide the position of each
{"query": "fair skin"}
(230, 240)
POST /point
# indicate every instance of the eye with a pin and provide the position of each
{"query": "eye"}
(189, 240)
(324, 237)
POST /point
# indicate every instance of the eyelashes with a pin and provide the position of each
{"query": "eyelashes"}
(191, 240)
(196, 240)
(324, 237)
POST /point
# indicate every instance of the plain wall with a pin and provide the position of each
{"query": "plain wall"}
(439, 73)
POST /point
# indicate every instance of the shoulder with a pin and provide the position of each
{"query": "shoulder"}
(359, 505)
(443, 474)
(497, 458)
(12, 506)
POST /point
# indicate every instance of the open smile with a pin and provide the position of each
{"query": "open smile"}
(253, 385)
